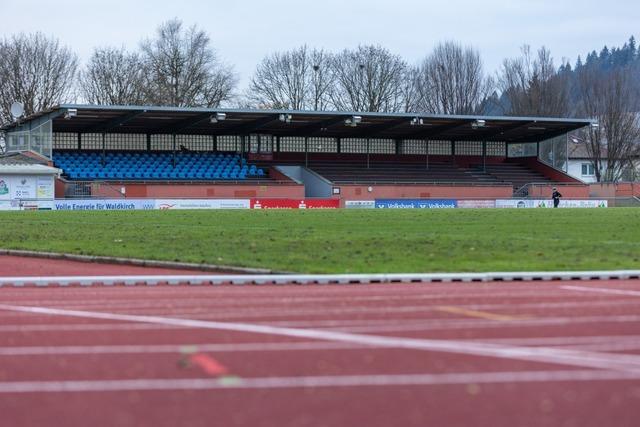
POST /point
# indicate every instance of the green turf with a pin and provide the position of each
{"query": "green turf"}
(343, 241)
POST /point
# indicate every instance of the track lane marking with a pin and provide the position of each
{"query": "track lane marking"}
(602, 290)
(627, 364)
(173, 348)
(477, 313)
(313, 381)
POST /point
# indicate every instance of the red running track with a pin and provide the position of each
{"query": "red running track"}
(15, 266)
(458, 354)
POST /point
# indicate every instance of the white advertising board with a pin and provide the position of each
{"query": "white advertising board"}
(14, 187)
(547, 203)
(202, 204)
(360, 204)
(103, 204)
(475, 204)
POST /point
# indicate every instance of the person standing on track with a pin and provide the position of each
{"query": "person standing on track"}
(556, 197)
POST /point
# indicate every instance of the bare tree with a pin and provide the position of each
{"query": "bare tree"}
(298, 79)
(369, 78)
(113, 77)
(608, 98)
(36, 71)
(183, 70)
(533, 86)
(452, 81)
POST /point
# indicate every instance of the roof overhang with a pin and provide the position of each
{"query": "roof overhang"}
(28, 170)
(332, 124)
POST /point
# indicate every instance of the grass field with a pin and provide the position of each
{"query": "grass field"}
(344, 241)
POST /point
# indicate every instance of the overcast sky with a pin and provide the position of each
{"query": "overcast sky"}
(244, 31)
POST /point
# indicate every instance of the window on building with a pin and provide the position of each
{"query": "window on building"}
(587, 169)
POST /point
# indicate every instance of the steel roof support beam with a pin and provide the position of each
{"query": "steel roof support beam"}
(182, 125)
(252, 126)
(544, 136)
(371, 131)
(437, 130)
(113, 123)
(314, 129)
(491, 133)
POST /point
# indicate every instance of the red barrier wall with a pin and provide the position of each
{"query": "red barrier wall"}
(213, 191)
(361, 192)
(295, 203)
(610, 190)
(59, 186)
(548, 171)
(568, 191)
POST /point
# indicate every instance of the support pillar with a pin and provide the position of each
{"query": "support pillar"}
(484, 156)
(173, 145)
(104, 149)
(368, 153)
(306, 151)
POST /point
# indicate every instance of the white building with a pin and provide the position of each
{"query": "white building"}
(580, 164)
(26, 182)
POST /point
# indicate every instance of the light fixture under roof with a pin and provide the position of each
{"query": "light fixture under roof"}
(416, 121)
(478, 123)
(353, 121)
(71, 112)
(218, 117)
(285, 118)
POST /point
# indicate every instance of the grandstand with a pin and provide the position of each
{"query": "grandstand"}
(199, 152)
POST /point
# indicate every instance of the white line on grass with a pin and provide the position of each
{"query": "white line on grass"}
(625, 363)
(312, 381)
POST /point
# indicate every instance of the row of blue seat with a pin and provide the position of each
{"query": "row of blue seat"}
(159, 166)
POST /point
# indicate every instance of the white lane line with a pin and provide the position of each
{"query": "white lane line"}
(593, 343)
(84, 327)
(437, 325)
(174, 348)
(313, 381)
(602, 290)
(629, 364)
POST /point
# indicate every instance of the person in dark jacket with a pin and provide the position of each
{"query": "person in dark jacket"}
(556, 197)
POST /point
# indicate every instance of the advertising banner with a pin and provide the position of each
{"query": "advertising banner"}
(415, 203)
(103, 204)
(360, 204)
(44, 187)
(547, 203)
(202, 204)
(514, 203)
(17, 187)
(475, 204)
(295, 203)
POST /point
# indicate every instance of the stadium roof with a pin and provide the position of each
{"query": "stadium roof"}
(198, 121)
